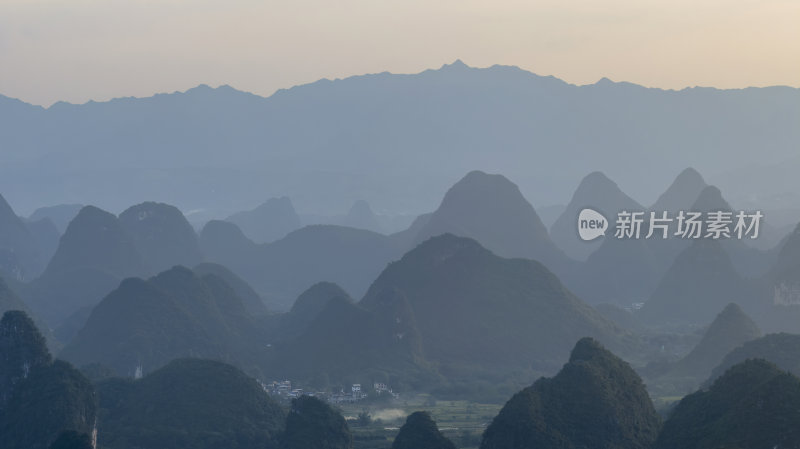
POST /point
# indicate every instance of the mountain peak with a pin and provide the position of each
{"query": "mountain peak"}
(555, 412)
(270, 221)
(314, 300)
(5, 209)
(689, 175)
(598, 191)
(730, 329)
(604, 81)
(586, 349)
(682, 193)
(96, 238)
(491, 209)
(162, 235)
(701, 281)
(455, 65)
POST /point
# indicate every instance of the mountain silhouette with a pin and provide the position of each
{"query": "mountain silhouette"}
(178, 313)
(268, 222)
(701, 281)
(361, 216)
(474, 308)
(93, 256)
(682, 193)
(599, 193)
(60, 215)
(491, 210)
(626, 271)
(308, 306)
(250, 299)
(729, 330)
(20, 257)
(782, 349)
(162, 235)
(748, 261)
(754, 404)
(280, 271)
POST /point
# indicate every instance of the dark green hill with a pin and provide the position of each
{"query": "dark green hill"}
(22, 349)
(475, 309)
(189, 403)
(781, 349)
(753, 405)
(50, 400)
(312, 423)
(596, 401)
(38, 398)
(175, 314)
(162, 236)
(420, 432)
(492, 210)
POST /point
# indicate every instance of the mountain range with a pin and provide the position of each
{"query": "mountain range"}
(219, 148)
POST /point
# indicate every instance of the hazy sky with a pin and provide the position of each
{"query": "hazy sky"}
(78, 50)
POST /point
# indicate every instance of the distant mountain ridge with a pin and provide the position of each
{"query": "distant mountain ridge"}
(416, 133)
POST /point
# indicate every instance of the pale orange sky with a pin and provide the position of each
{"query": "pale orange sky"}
(79, 50)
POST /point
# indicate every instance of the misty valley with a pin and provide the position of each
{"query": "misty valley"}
(471, 327)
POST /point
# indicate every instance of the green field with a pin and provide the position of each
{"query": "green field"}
(462, 421)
